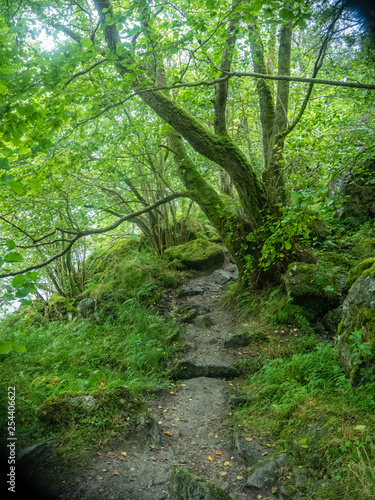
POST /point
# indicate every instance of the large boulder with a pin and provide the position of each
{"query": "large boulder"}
(316, 289)
(185, 486)
(198, 254)
(356, 333)
(355, 193)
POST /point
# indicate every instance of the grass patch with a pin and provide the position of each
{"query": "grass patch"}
(303, 400)
(83, 357)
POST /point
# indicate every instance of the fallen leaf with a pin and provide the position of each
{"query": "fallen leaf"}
(259, 496)
(218, 453)
(110, 454)
(104, 470)
(101, 490)
(211, 459)
(98, 453)
(124, 453)
(171, 392)
(135, 454)
(115, 472)
(239, 478)
(183, 438)
(168, 433)
(224, 473)
(248, 439)
(132, 469)
(265, 453)
(226, 463)
(216, 436)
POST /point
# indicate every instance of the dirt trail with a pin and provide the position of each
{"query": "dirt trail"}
(190, 428)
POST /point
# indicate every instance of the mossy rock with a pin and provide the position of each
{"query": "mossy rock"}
(364, 249)
(119, 252)
(360, 269)
(198, 254)
(50, 381)
(358, 315)
(309, 437)
(340, 261)
(312, 287)
(185, 486)
(30, 315)
(60, 309)
(68, 407)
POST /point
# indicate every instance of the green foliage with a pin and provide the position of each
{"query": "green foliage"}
(358, 348)
(83, 357)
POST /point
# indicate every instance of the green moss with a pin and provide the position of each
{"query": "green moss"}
(359, 270)
(59, 308)
(313, 287)
(339, 260)
(184, 485)
(111, 257)
(68, 407)
(196, 254)
(51, 381)
(364, 249)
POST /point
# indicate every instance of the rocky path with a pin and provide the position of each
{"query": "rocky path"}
(189, 429)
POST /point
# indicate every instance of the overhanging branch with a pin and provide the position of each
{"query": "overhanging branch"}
(89, 232)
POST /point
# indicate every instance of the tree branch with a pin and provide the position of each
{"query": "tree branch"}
(118, 222)
(83, 72)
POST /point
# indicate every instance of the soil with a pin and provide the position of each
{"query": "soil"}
(190, 427)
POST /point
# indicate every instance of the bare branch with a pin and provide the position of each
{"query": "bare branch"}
(118, 222)
(84, 71)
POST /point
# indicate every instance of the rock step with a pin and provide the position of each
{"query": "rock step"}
(212, 365)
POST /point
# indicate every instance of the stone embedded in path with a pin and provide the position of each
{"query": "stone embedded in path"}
(214, 365)
(186, 486)
(189, 312)
(237, 340)
(221, 277)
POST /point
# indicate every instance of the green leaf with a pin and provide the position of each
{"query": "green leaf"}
(16, 187)
(10, 244)
(24, 292)
(18, 280)
(34, 185)
(18, 347)
(1, 261)
(288, 245)
(5, 347)
(13, 257)
(86, 42)
(26, 302)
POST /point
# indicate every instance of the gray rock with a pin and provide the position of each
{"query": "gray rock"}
(265, 472)
(361, 298)
(154, 431)
(203, 321)
(190, 291)
(38, 454)
(358, 195)
(85, 402)
(213, 365)
(237, 340)
(251, 451)
(185, 486)
(189, 312)
(87, 308)
(221, 277)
